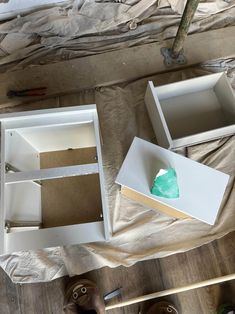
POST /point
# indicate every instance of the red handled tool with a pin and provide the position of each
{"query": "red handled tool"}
(40, 91)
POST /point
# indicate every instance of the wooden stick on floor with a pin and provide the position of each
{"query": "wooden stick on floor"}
(163, 293)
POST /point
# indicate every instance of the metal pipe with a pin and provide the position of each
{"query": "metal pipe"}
(189, 11)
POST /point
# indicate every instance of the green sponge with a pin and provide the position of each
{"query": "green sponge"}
(165, 184)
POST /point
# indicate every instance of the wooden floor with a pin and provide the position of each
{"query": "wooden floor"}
(211, 260)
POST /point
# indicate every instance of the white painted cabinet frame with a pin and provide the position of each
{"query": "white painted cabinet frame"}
(21, 127)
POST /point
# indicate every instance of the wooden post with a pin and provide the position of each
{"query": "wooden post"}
(189, 11)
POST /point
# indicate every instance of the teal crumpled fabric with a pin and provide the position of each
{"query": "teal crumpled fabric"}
(165, 184)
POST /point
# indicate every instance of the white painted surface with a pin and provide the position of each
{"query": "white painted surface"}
(52, 237)
(157, 117)
(101, 177)
(23, 202)
(201, 188)
(60, 137)
(15, 7)
(49, 117)
(20, 153)
(196, 113)
(52, 173)
(2, 194)
(192, 111)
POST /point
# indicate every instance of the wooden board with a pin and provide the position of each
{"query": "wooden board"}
(70, 157)
(152, 203)
(92, 71)
(72, 200)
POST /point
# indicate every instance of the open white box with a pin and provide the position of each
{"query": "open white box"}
(48, 154)
(191, 111)
(201, 188)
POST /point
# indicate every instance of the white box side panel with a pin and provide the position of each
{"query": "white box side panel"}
(102, 180)
(52, 237)
(20, 153)
(204, 136)
(157, 118)
(2, 192)
(23, 202)
(193, 85)
(226, 97)
(61, 137)
(48, 117)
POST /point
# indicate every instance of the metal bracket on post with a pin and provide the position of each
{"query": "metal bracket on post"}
(175, 55)
(170, 59)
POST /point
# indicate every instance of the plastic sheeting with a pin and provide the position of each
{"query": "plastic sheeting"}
(88, 27)
(138, 233)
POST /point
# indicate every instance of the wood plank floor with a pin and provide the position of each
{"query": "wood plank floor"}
(211, 260)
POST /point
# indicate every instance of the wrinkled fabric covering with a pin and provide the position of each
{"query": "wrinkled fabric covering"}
(138, 233)
(88, 27)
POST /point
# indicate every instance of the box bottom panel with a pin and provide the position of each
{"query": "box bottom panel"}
(68, 157)
(193, 113)
(72, 200)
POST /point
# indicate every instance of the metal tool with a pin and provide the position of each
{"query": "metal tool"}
(113, 294)
(33, 92)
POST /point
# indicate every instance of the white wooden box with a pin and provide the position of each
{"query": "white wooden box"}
(67, 141)
(191, 111)
(201, 188)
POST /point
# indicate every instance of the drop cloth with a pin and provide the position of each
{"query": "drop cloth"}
(84, 27)
(138, 233)
(88, 27)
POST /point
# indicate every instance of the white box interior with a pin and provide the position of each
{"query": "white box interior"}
(23, 148)
(191, 111)
(188, 111)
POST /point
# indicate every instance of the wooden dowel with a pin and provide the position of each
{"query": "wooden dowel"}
(172, 291)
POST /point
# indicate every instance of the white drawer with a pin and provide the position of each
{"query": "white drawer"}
(191, 111)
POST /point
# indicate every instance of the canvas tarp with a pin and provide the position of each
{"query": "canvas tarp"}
(138, 233)
(85, 27)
